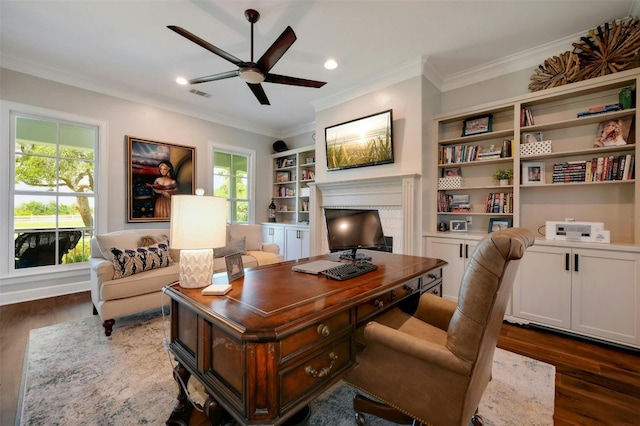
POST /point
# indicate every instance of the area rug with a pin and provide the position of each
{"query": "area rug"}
(75, 375)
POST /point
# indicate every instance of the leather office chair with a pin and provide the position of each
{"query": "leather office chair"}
(432, 367)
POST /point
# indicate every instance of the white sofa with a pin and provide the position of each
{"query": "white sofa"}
(120, 288)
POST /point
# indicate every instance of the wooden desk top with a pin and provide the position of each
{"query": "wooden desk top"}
(273, 301)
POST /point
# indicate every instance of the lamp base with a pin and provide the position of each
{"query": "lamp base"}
(196, 268)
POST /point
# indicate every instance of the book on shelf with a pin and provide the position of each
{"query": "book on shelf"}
(600, 109)
(599, 169)
(499, 202)
(526, 117)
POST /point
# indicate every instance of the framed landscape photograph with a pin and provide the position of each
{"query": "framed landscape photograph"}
(477, 125)
(458, 225)
(366, 141)
(533, 173)
(155, 172)
(498, 223)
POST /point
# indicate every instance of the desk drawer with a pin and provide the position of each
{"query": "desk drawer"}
(431, 277)
(298, 381)
(317, 332)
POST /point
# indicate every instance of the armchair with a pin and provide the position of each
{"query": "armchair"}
(432, 367)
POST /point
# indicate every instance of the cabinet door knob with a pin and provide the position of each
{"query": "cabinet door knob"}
(323, 330)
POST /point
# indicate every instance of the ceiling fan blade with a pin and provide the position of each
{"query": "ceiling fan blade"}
(293, 81)
(214, 77)
(259, 93)
(277, 49)
(210, 47)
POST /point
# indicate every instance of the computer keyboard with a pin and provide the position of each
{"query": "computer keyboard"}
(349, 270)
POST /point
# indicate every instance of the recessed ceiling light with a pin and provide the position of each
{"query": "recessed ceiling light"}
(331, 64)
(181, 80)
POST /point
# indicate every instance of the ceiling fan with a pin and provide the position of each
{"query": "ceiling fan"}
(253, 73)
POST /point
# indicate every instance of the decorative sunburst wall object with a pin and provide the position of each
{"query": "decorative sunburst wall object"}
(609, 48)
(555, 71)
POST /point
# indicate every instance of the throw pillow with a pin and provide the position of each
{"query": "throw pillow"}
(149, 240)
(252, 233)
(232, 247)
(133, 261)
(127, 239)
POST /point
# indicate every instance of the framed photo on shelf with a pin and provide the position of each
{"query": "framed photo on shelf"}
(614, 132)
(283, 177)
(477, 125)
(498, 223)
(235, 269)
(451, 171)
(531, 137)
(533, 173)
(458, 225)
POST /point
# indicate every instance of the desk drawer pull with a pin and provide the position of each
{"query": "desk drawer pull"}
(323, 372)
(323, 330)
(378, 303)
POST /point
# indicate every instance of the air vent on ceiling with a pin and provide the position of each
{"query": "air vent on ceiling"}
(199, 93)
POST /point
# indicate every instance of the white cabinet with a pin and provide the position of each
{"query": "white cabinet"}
(588, 291)
(273, 234)
(456, 252)
(296, 242)
(542, 291)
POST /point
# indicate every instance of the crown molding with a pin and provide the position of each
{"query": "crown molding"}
(82, 82)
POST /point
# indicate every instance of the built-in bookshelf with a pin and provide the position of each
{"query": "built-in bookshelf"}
(550, 139)
(293, 170)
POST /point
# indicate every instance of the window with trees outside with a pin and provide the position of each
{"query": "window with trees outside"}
(53, 194)
(232, 180)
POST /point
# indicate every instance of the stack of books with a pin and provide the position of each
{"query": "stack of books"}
(499, 202)
(460, 204)
(489, 155)
(600, 109)
(569, 171)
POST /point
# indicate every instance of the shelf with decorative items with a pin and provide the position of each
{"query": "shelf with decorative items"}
(562, 162)
(293, 170)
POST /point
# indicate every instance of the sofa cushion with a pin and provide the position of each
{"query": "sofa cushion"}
(252, 233)
(232, 247)
(132, 261)
(127, 239)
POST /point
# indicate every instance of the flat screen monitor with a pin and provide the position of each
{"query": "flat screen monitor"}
(351, 229)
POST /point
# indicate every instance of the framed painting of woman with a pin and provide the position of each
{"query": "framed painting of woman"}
(155, 172)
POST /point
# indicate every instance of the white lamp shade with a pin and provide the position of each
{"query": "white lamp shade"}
(198, 222)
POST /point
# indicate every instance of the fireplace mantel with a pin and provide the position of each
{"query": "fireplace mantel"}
(383, 192)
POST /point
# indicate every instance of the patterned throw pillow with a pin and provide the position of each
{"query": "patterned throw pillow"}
(232, 247)
(133, 261)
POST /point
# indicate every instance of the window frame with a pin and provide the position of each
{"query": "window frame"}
(9, 111)
(251, 169)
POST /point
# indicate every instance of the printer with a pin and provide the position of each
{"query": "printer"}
(590, 232)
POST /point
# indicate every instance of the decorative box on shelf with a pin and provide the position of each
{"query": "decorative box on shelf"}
(450, 182)
(534, 148)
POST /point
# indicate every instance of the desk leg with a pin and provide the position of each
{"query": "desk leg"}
(183, 408)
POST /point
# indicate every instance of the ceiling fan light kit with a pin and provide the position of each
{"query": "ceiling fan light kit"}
(253, 73)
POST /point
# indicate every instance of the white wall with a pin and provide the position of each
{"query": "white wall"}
(405, 99)
(122, 118)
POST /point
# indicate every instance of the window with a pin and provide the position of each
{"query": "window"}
(53, 194)
(233, 180)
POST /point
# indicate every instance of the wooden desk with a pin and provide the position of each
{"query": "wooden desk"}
(280, 338)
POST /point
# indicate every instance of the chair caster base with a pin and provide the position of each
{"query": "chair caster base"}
(477, 420)
(360, 419)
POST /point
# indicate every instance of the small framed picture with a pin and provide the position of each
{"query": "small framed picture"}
(283, 177)
(613, 132)
(531, 137)
(235, 269)
(498, 223)
(532, 173)
(477, 125)
(451, 171)
(458, 225)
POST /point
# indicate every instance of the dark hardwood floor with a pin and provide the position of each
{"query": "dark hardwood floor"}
(595, 384)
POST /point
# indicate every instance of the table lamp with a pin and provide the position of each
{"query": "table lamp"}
(198, 224)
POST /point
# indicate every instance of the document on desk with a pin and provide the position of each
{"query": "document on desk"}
(315, 267)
